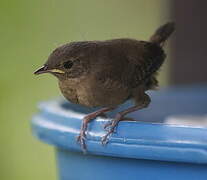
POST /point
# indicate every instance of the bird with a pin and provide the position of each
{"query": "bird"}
(107, 73)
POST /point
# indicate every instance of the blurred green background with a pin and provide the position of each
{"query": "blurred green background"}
(30, 30)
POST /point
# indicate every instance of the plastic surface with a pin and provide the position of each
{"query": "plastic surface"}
(59, 123)
(76, 166)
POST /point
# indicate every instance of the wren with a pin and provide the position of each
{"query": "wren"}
(107, 73)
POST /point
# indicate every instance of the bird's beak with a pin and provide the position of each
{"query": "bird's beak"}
(41, 70)
(44, 69)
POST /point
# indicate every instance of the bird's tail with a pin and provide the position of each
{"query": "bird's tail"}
(162, 33)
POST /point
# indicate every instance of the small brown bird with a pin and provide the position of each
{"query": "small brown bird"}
(107, 73)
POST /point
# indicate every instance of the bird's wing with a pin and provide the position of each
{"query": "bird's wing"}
(146, 63)
(130, 65)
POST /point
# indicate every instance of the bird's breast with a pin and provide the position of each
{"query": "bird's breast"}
(68, 89)
(91, 93)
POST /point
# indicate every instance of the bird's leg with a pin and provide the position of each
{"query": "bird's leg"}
(82, 136)
(120, 117)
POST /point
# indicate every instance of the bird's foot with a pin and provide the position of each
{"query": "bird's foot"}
(82, 136)
(105, 138)
(110, 127)
(81, 139)
(121, 116)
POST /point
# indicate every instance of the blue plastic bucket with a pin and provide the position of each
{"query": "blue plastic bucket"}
(148, 150)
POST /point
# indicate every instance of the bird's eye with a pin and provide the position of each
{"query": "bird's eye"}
(68, 64)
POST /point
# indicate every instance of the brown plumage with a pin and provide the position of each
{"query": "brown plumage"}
(107, 73)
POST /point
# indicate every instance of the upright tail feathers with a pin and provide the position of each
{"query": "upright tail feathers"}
(162, 33)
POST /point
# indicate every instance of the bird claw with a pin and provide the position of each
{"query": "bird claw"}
(105, 138)
(104, 141)
(111, 126)
(81, 140)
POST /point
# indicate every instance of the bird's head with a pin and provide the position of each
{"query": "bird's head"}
(69, 61)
